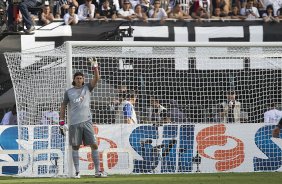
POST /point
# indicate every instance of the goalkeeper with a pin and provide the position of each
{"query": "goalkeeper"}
(80, 123)
(276, 130)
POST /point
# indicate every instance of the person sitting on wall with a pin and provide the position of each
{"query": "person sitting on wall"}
(27, 18)
(10, 118)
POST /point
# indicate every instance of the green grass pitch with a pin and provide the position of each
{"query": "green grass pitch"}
(197, 178)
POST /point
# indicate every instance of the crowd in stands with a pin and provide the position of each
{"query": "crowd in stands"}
(73, 11)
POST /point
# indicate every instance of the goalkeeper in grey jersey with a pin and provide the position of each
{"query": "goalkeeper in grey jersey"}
(80, 123)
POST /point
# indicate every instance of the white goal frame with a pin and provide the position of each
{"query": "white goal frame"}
(71, 44)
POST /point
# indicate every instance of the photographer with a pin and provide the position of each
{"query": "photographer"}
(230, 109)
(250, 12)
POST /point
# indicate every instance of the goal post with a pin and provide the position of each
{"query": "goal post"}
(184, 124)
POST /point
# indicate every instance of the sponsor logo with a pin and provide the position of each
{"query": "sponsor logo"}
(225, 159)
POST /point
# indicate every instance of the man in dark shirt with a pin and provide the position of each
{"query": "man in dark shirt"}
(106, 11)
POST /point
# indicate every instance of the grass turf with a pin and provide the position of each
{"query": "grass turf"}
(198, 178)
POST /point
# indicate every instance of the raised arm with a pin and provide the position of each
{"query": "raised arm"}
(94, 65)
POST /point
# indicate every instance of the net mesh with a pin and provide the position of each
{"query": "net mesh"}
(176, 89)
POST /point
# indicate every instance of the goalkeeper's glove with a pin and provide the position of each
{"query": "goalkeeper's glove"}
(63, 127)
(93, 62)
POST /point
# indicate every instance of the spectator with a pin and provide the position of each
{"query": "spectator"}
(177, 13)
(71, 18)
(206, 5)
(241, 4)
(175, 113)
(140, 13)
(126, 12)
(223, 5)
(272, 115)
(198, 12)
(250, 11)
(269, 15)
(86, 11)
(261, 7)
(234, 14)
(116, 102)
(46, 16)
(114, 4)
(126, 112)
(158, 12)
(157, 112)
(10, 118)
(230, 109)
(61, 7)
(145, 4)
(167, 5)
(218, 14)
(106, 11)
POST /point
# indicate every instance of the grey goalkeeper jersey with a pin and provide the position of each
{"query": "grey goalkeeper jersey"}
(79, 99)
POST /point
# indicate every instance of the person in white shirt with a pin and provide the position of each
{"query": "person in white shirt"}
(86, 11)
(272, 116)
(250, 11)
(71, 18)
(158, 12)
(126, 12)
(10, 118)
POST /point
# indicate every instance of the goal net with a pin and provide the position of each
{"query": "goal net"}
(199, 107)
